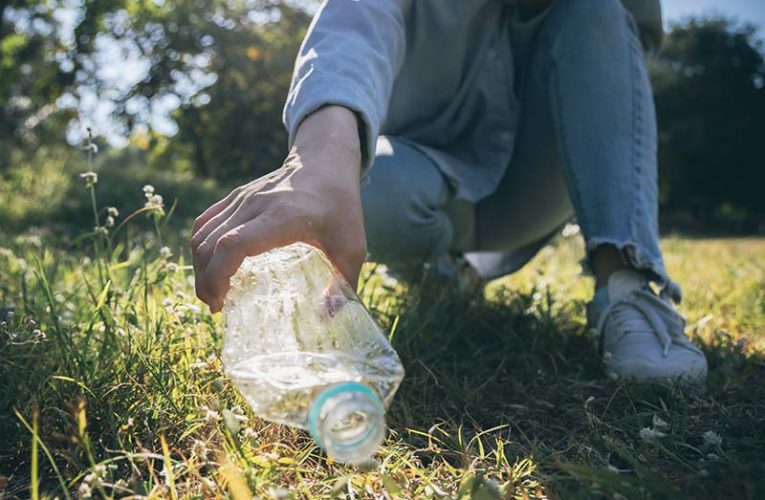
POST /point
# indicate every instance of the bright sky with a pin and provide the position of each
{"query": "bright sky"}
(752, 11)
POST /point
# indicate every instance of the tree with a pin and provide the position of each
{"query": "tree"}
(232, 129)
(227, 64)
(710, 96)
(35, 71)
(224, 64)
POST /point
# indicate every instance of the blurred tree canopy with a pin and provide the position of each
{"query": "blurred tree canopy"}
(34, 73)
(709, 83)
(223, 67)
(228, 64)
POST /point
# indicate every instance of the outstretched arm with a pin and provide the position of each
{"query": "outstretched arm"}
(341, 87)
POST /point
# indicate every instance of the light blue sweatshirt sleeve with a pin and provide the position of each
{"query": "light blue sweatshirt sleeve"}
(350, 57)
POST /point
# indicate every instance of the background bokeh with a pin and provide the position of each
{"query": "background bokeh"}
(189, 93)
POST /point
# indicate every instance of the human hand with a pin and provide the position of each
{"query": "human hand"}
(314, 197)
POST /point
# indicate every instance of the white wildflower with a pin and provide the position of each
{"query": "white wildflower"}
(148, 190)
(249, 433)
(650, 435)
(99, 470)
(570, 230)
(165, 252)
(90, 178)
(211, 416)
(109, 221)
(101, 230)
(93, 480)
(712, 438)
(238, 413)
(198, 364)
(659, 423)
(113, 211)
(84, 491)
(154, 202)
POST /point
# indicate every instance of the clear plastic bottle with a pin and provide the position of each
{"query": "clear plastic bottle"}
(303, 351)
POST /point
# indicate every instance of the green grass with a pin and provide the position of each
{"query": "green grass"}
(504, 397)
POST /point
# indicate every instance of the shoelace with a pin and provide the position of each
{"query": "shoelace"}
(657, 312)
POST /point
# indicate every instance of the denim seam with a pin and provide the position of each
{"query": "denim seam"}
(634, 211)
(631, 250)
(557, 109)
(636, 133)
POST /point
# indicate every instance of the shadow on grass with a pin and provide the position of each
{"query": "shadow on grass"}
(495, 382)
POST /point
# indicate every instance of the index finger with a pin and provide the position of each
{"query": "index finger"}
(214, 210)
(254, 237)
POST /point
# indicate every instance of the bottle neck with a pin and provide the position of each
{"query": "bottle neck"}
(347, 420)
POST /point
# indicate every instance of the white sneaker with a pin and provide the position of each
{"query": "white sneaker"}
(642, 336)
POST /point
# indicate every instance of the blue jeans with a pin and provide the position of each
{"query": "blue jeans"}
(586, 146)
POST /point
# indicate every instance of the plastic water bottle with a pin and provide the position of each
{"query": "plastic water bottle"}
(303, 351)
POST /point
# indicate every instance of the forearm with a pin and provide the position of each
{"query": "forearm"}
(329, 138)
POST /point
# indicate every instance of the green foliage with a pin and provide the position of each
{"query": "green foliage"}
(228, 65)
(709, 83)
(233, 128)
(225, 65)
(31, 79)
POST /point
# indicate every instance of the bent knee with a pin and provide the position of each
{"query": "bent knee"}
(403, 205)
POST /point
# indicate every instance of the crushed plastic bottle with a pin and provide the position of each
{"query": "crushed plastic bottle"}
(303, 351)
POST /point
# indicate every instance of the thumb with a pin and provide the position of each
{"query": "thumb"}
(348, 256)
